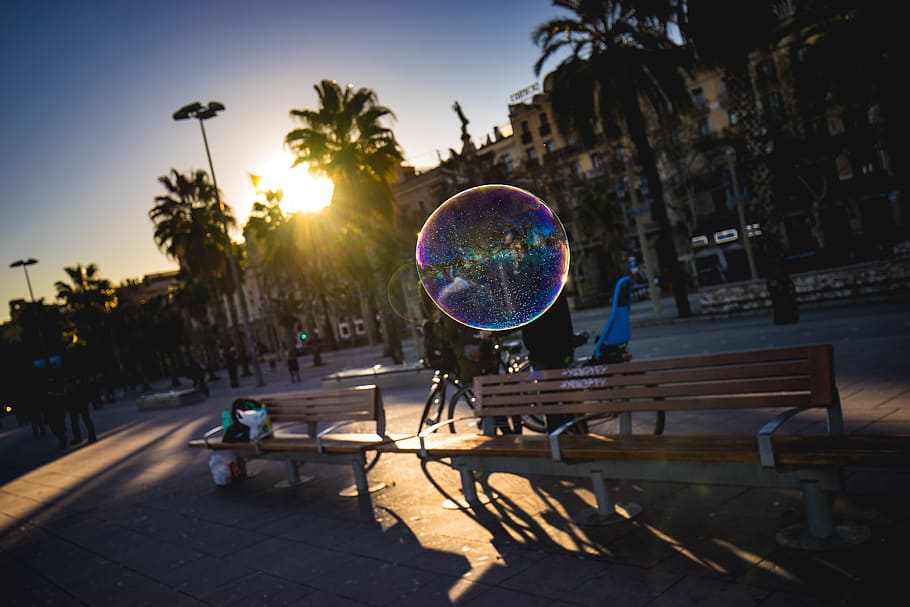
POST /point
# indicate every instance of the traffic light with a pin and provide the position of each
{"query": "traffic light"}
(303, 336)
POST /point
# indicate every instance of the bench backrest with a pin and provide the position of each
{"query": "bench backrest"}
(782, 377)
(360, 403)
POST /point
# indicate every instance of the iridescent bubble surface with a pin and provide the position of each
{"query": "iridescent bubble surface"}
(493, 257)
(404, 293)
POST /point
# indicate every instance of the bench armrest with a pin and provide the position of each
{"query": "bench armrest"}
(266, 434)
(554, 436)
(765, 447)
(431, 429)
(211, 433)
(329, 430)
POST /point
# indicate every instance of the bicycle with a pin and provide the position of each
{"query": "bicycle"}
(446, 396)
(451, 400)
(612, 347)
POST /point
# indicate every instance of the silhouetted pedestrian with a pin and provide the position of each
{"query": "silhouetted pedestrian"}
(293, 367)
(30, 401)
(55, 404)
(230, 359)
(197, 375)
(550, 340)
(79, 394)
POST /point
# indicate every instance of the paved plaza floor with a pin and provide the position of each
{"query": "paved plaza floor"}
(135, 519)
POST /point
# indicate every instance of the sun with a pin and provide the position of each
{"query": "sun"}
(303, 191)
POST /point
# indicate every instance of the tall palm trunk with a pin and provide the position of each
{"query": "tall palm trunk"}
(666, 248)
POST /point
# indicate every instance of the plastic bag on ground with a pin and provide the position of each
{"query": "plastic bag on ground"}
(223, 465)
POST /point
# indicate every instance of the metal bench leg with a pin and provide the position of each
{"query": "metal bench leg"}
(241, 465)
(360, 486)
(471, 496)
(818, 511)
(607, 512)
(294, 476)
(468, 487)
(821, 533)
(605, 505)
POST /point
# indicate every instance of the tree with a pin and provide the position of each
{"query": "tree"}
(88, 299)
(346, 141)
(189, 228)
(620, 55)
(188, 225)
(747, 26)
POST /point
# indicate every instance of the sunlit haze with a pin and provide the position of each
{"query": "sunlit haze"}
(302, 190)
(90, 89)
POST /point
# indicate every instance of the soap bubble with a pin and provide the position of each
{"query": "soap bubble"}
(494, 257)
(404, 293)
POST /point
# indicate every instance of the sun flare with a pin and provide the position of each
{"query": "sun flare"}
(303, 191)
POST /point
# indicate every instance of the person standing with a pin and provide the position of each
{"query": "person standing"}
(55, 404)
(197, 376)
(293, 367)
(79, 395)
(230, 359)
(550, 341)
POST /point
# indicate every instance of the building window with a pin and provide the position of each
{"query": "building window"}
(774, 104)
(549, 147)
(765, 74)
(544, 124)
(731, 118)
(704, 127)
(525, 132)
(532, 154)
(507, 162)
(698, 97)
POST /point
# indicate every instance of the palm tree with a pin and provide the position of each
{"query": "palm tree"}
(620, 55)
(188, 224)
(88, 300)
(189, 228)
(346, 141)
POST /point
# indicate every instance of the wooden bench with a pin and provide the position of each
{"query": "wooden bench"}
(320, 415)
(740, 389)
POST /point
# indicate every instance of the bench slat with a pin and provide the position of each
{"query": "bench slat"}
(361, 403)
(789, 450)
(582, 404)
(772, 378)
(520, 382)
(770, 386)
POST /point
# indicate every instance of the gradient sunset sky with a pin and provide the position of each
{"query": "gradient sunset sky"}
(89, 89)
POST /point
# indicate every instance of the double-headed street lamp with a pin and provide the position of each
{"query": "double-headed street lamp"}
(24, 263)
(204, 112)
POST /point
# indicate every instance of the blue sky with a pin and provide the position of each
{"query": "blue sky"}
(89, 89)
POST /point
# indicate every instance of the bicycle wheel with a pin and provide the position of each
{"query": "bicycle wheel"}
(434, 407)
(534, 423)
(642, 423)
(462, 405)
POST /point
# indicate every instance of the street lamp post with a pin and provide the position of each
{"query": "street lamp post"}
(24, 263)
(202, 113)
(731, 166)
